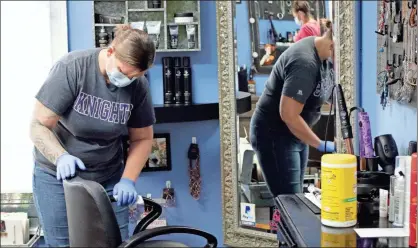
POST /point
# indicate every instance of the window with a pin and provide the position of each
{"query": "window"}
(30, 42)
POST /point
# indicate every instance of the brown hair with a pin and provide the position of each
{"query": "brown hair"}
(301, 6)
(134, 47)
(326, 28)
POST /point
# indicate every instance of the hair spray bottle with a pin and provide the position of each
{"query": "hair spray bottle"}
(168, 80)
(187, 81)
(178, 70)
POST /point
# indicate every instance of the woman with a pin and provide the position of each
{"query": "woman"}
(303, 17)
(88, 101)
(300, 82)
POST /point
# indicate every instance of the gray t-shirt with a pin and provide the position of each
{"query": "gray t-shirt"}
(299, 74)
(94, 114)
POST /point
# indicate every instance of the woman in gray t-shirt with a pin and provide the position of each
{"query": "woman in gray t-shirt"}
(299, 84)
(90, 99)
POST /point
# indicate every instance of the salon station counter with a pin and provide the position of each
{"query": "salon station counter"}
(300, 226)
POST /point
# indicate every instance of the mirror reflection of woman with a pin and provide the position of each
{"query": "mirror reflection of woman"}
(280, 131)
(303, 17)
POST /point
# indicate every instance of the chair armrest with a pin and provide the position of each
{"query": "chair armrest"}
(150, 217)
(143, 236)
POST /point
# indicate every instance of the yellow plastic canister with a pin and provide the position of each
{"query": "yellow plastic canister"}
(338, 190)
(338, 237)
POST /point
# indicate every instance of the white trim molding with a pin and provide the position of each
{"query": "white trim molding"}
(59, 29)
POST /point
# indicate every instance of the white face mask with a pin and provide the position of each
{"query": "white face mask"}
(297, 21)
(116, 77)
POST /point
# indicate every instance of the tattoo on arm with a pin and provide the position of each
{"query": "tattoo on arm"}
(42, 136)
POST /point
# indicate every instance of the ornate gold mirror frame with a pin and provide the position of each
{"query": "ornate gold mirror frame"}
(343, 13)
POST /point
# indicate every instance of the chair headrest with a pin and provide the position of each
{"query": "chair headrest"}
(247, 167)
(91, 219)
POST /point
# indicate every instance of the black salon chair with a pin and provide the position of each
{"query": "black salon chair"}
(92, 222)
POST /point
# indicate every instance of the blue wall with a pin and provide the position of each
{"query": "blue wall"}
(398, 120)
(206, 213)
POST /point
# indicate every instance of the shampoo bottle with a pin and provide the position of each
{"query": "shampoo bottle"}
(392, 198)
(187, 81)
(399, 200)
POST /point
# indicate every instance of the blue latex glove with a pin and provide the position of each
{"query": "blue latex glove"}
(125, 192)
(66, 166)
(330, 147)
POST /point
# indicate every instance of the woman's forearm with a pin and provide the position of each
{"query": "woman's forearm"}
(45, 141)
(302, 131)
(137, 157)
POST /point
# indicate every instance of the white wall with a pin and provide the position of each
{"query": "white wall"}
(28, 49)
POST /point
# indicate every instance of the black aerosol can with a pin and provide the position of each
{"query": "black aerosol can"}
(178, 81)
(168, 80)
(187, 81)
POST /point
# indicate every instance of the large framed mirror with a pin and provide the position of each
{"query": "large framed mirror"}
(242, 182)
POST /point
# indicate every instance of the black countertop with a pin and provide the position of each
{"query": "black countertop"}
(300, 226)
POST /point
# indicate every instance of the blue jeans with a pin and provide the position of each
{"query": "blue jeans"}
(282, 157)
(49, 199)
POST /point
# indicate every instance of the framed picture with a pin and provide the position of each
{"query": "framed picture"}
(160, 157)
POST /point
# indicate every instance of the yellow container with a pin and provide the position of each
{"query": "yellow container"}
(339, 190)
(338, 237)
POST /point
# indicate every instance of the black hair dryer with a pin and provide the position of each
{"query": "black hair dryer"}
(386, 149)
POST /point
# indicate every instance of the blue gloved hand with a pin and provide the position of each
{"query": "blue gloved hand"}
(125, 192)
(66, 166)
(330, 147)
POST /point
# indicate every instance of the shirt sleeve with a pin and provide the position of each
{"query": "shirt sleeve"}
(143, 110)
(305, 31)
(58, 92)
(300, 80)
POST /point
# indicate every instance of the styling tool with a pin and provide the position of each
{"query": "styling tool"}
(386, 149)
(346, 129)
(275, 36)
(366, 135)
(367, 159)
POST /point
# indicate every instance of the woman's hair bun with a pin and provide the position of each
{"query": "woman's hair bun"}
(326, 27)
(326, 23)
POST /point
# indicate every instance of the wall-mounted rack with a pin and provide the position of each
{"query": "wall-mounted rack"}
(396, 52)
(107, 14)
